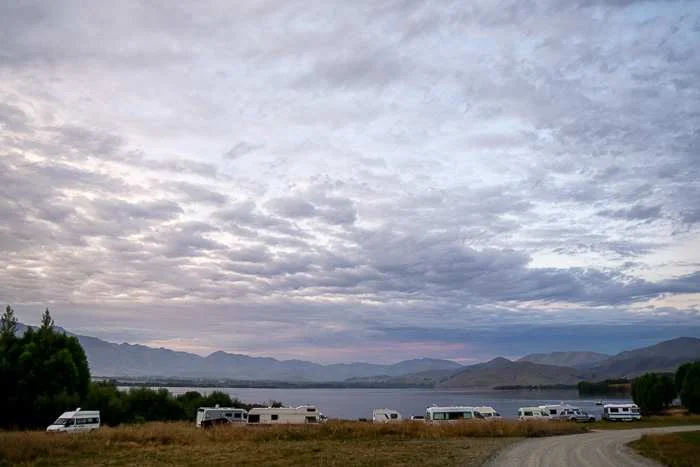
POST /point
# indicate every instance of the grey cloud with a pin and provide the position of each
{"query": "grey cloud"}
(241, 149)
(292, 207)
(12, 118)
(636, 212)
(196, 193)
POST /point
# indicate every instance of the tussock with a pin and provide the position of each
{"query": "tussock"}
(27, 446)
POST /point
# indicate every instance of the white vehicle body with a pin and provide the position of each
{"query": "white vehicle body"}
(533, 413)
(284, 415)
(487, 413)
(448, 414)
(625, 412)
(386, 416)
(567, 412)
(77, 420)
(208, 416)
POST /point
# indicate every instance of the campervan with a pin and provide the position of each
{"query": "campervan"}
(385, 416)
(567, 412)
(532, 413)
(448, 414)
(624, 412)
(210, 416)
(77, 420)
(284, 415)
(486, 413)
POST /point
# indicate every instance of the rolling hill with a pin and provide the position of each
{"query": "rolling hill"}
(570, 359)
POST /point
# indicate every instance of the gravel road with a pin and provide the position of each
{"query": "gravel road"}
(599, 448)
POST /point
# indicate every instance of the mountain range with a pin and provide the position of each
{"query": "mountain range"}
(108, 359)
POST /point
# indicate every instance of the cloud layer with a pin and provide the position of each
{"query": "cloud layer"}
(354, 180)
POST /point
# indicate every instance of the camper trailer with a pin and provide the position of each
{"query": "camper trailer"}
(210, 416)
(284, 415)
(77, 420)
(622, 412)
(533, 413)
(448, 414)
(385, 416)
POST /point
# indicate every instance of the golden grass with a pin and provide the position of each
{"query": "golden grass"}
(332, 443)
(673, 449)
(648, 422)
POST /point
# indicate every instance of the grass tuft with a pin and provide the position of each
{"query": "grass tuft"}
(672, 449)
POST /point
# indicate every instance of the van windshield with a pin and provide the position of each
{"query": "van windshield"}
(63, 421)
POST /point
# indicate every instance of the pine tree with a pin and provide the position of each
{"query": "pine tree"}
(8, 323)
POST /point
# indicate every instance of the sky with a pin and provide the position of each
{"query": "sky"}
(353, 181)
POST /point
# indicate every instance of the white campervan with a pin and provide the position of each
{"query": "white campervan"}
(210, 416)
(532, 413)
(284, 415)
(486, 413)
(448, 414)
(624, 412)
(77, 420)
(385, 416)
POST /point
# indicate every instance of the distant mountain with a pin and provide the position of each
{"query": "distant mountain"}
(665, 356)
(503, 372)
(107, 359)
(570, 359)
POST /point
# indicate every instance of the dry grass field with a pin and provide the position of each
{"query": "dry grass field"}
(333, 443)
(674, 449)
(648, 422)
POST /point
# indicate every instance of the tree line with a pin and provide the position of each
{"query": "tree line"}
(44, 373)
(653, 392)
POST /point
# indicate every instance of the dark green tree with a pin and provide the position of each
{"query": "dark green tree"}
(652, 392)
(8, 324)
(679, 377)
(105, 397)
(690, 392)
(51, 375)
(9, 356)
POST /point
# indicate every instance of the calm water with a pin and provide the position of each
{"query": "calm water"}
(358, 403)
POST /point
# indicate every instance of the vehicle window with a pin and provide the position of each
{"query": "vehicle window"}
(274, 417)
(528, 413)
(311, 409)
(229, 414)
(439, 416)
(394, 416)
(625, 409)
(613, 410)
(553, 411)
(237, 415)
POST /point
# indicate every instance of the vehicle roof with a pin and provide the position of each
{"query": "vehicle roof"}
(228, 409)
(87, 413)
(620, 405)
(458, 407)
(534, 407)
(282, 409)
(485, 408)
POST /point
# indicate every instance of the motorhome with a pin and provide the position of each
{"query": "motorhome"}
(623, 412)
(448, 414)
(77, 420)
(210, 416)
(284, 415)
(385, 416)
(486, 413)
(567, 412)
(533, 413)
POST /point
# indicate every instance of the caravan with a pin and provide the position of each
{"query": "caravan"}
(385, 416)
(533, 413)
(486, 413)
(284, 415)
(624, 412)
(77, 420)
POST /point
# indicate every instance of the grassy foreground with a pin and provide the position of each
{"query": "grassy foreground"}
(648, 422)
(673, 449)
(332, 443)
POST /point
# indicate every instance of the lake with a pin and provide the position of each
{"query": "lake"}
(358, 403)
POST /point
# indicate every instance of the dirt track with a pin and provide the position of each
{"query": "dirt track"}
(599, 448)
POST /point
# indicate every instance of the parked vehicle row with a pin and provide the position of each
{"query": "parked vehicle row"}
(87, 420)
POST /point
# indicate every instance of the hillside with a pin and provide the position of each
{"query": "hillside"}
(665, 356)
(503, 372)
(570, 359)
